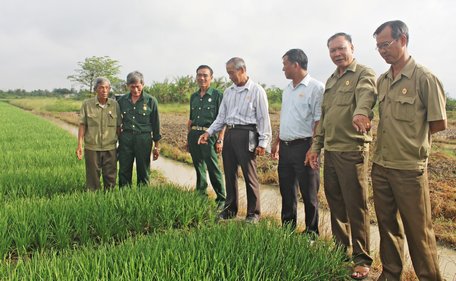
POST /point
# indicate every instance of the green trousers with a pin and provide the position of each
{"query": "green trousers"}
(205, 157)
(134, 146)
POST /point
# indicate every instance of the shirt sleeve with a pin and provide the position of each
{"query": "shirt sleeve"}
(155, 120)
(365, 94)
(83, 114)
(263, 120)
(219, 122)
(433, 97)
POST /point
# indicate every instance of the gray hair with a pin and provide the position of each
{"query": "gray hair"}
(135, 77)
(99, 81)
(238, 63)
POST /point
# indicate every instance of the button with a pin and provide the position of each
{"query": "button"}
(133, 117)
(133, 126)
(199, 108)
(198, 117)
(134, 107)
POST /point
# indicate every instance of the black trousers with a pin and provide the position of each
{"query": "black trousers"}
(293, 173)
(236, 153)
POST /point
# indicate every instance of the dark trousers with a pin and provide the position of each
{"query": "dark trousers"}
(100, 163)
(236, 153)
(131, 147)
(293, 173)
(205, 157)
(402, 205)
(345, 184)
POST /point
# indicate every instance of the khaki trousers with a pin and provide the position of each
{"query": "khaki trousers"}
(100, 163)
(404, 195)
(345, 185)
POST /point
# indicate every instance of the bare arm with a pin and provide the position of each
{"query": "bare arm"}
(437, 126)
(81, 133)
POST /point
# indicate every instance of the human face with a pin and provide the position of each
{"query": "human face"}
(136, 89)
(204, 78)
(341, 52)
(103, 91)
(391, 50)
(289, 68)
(236, 75)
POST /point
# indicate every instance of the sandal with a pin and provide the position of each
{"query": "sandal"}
(360, 272)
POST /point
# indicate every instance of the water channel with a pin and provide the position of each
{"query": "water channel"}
(184, 175)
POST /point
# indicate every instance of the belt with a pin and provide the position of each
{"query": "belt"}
(135, 132)
(296, 141)
(251, 127)
(198, 128)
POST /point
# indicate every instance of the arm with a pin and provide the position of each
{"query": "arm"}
(366, 96)
(263, 122)
(81, 133)
(155, 120)
(219, 142)
(437, 126)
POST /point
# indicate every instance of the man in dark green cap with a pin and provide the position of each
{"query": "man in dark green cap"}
(204, 107)
(140, 131)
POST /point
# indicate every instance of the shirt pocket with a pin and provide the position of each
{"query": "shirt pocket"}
(92, 119)
(144, 116)
(345, 97)
(112, 119)
(404, 108)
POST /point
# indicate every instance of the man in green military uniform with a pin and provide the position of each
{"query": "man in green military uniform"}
(204, 107)
(140, 131)
(99, 126)
(411, 108)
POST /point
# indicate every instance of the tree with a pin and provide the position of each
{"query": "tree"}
(94, 67)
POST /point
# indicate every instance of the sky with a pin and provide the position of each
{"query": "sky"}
(43, 41)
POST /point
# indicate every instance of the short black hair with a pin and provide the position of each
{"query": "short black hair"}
(345, 35)
(297, 55)
(203, 66)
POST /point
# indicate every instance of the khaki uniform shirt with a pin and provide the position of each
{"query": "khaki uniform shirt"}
(345, 96)
(100, 124)
(204, 110)
(406, 105)
(142, 116)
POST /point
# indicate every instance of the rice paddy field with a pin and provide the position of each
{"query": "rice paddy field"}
(52, 228)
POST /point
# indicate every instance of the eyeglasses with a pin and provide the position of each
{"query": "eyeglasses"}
(384, 45)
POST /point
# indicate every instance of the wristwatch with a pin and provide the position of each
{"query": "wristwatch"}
(219, 141)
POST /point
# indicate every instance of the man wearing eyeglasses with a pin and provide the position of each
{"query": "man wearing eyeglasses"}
(204, 107)
(411, 107)
(344, 133)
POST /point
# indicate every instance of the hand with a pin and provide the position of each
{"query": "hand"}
(275, 151)
(260, 151)
(219, 147)
(312, 160)
(203, 139)
(79, 153)
(361, 123)
(155, 153)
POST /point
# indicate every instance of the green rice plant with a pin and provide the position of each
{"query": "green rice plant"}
(37, 157)
(66, 221)
(232, 251)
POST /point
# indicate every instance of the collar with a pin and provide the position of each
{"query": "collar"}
(407, 71)
(248, 86)
(209, 91)
(351, 68)
(140, 98)
(305, 81)
(99, 104)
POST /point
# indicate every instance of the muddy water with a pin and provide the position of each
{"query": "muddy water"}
(271, 204)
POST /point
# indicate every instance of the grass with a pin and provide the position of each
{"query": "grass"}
(230, 251)
(149, 233)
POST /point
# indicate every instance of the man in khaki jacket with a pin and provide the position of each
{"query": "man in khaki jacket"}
(411, 107)
(343, 132)
(99, 126)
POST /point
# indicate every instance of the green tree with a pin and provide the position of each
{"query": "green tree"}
(94, 67)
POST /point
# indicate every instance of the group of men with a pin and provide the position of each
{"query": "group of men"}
(336, 117)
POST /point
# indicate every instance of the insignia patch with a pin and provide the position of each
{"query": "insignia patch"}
(404, 91)
(347, 83)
